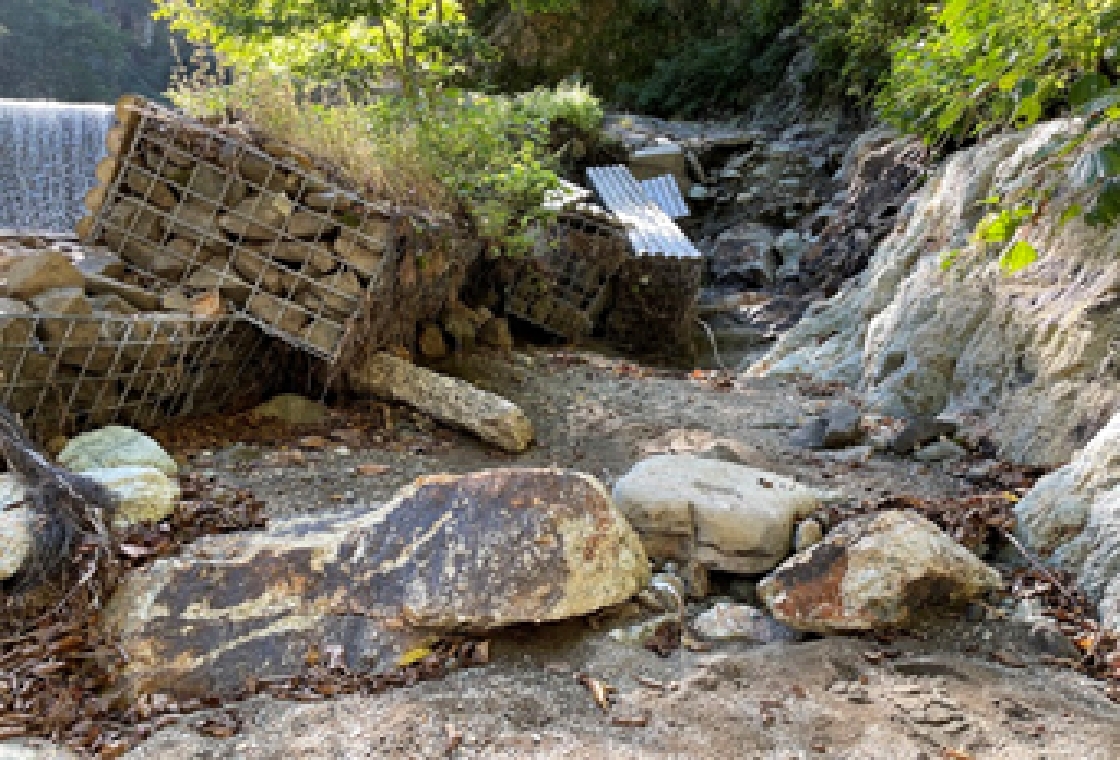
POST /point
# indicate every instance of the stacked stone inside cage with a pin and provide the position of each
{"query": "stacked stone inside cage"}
(200, 209)
(565, 287)
(64, 373)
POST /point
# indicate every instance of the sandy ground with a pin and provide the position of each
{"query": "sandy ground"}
(937, 694)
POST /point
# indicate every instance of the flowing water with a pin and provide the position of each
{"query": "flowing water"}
(48, 152)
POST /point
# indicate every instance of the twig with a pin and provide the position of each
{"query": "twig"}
(1037, 564)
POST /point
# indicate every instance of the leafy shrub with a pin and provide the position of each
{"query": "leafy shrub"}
(449, 151)
(983, 65)
(852, 41)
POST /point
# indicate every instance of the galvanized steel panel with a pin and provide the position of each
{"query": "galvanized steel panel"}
(651, 230)
(664, 192)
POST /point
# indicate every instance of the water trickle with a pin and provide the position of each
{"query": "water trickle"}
(48, 153)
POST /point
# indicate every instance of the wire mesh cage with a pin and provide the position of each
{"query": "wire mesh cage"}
(63, 373)
(203, 208)
(565, 287)
(653, 311)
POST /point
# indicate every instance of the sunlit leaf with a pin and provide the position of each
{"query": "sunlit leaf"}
(1017, 257)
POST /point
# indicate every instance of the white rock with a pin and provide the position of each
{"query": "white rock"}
(808, 533)
(874, 571)
(292, 409)
(144, 493)
(115, 446)
(940, 451)
(726, 621)
(1022, 355)
(34, 749)
(744, 517)
(15, 526)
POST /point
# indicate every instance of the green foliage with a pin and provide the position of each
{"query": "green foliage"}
(567, 103)
(983, 65)
(851, 39)
(487, 155)
(63, 50)
(714, 75)
(1018, 256)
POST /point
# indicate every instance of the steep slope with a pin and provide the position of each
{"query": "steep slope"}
(1029, 359)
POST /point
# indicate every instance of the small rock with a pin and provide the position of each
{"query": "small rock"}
(918, 432)
(837, 429)
(495, 333)
(28, 276)
(638, 634)
(16, 529)
(875, 571)
(143, 493)
(292, 409)
(940, 451)
(808, 532)
(431, 342)
(115, 446)
(726, 621)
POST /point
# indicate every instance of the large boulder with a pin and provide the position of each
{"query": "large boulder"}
(874, 571)
(115, 446)
(721, 515)
(473, 551)
(142, 493)
(1056, 513)
(1023, 357)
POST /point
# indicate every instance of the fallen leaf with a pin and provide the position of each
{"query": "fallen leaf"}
(369, 470)
(630, 721)
(206, 305)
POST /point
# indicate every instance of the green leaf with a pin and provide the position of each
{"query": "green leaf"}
(1107, 209)
(949, 259)
(1017, 257)
(996, 228)
(1088, 88)
(1070, 213)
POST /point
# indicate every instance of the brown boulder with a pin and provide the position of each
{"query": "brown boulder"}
(470, 552)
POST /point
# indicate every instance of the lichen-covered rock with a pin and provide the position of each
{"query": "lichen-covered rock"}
(490, 417)
(115, 446)
(142, 493)
(1026, 357)
(473, 551)
(873, 572)
(722, 515)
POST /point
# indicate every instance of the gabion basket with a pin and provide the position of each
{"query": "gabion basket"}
(64, 374)
(203, 208)
(565, 287)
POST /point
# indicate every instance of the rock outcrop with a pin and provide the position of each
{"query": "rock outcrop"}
(474, 551)
(873, 572)
(720, 515)
(1028, 359)
(1072, 516)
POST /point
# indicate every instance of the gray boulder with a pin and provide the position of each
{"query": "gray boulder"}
(115, 446)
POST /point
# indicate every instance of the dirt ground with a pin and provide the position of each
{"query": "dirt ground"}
(935, 693)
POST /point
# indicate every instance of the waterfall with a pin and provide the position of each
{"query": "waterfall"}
(48, 153)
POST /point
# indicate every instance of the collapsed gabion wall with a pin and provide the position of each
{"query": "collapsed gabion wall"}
(63, 374)
(203, 208)
(564, 288)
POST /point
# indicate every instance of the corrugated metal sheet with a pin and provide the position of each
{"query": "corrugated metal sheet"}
(651, 230)
(664, 192)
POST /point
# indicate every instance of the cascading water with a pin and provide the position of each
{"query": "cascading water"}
(48, 153)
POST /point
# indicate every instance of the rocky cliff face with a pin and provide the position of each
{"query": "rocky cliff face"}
(1029, 359)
